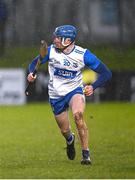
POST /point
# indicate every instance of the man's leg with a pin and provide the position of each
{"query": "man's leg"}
(77, 104)
(64, 125)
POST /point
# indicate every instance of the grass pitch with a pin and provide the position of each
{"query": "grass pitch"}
(31, 145)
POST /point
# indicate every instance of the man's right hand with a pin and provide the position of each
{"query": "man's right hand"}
(31, 78)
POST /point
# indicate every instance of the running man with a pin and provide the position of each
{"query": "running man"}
(65, 63)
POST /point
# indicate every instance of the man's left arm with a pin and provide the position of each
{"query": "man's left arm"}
(96, 65)
(104, 75)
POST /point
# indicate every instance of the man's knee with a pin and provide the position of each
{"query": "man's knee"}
(78, 115)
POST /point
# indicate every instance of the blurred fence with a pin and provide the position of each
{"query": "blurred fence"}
(98, 21)
(120, 88)
(13, 84)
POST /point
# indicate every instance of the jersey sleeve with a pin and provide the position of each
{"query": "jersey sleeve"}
(91, 60)
(104, 74)
(32, 65)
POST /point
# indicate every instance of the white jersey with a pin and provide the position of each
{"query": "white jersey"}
(65, 71)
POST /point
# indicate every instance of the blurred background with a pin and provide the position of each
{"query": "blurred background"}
(106, 27)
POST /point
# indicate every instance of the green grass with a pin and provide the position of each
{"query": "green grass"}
(31, 145)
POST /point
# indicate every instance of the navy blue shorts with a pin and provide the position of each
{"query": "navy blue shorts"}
(61, 104)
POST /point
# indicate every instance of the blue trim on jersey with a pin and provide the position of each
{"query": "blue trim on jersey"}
(78, 51)
(61, 104)
(104, 75)
(67, 74)
(34, 62)
(91, 60)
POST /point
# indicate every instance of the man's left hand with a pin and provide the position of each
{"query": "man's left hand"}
(88, 90)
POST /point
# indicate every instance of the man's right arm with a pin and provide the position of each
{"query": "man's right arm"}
(33, 64)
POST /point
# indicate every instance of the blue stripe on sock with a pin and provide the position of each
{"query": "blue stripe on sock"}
(85, 153)
(70, 139)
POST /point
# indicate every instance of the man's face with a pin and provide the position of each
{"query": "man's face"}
(57, 41)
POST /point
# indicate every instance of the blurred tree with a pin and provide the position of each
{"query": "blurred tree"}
(97, 21)
(129, 19)
(3, 18)
(126, 20)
